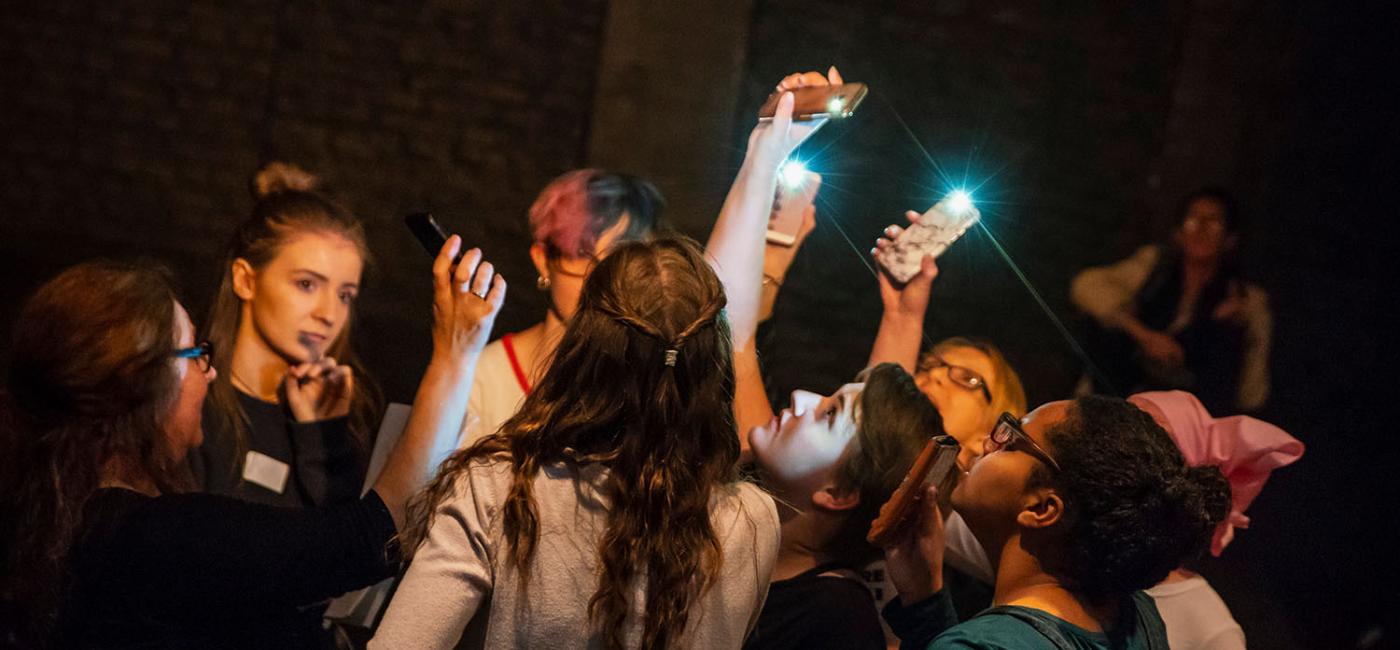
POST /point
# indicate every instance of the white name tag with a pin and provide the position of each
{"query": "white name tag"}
(266, 471)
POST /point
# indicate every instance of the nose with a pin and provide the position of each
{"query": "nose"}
(804, 402)
(325, 309)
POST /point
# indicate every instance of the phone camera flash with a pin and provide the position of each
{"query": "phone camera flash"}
(834, 106)
(959, 201)
(793, 173)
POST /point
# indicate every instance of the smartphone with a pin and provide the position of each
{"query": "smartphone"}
(934, 466)
(936, 230)
(817, 102)
(789, 204)
(430, 234)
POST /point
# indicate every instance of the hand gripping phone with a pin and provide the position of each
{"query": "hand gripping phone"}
(789, 206)
(934, 466)
(936, 230)
(817, 102)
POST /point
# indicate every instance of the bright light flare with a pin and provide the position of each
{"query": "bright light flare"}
(793, 174)
(834, 106)
(959, 201)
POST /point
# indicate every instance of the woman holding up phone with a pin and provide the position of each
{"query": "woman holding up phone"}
(290, 413)
(575, 222)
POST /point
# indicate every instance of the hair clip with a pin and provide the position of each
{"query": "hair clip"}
(671, 357)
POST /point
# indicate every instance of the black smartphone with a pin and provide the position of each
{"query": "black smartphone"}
(430, 234)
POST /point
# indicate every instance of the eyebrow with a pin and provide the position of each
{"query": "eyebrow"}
(323, 278)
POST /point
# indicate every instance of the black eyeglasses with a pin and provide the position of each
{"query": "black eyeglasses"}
(964, 377)
(202, 353)
(1008, 432)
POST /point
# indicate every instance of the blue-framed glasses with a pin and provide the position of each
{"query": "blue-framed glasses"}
(202, 353)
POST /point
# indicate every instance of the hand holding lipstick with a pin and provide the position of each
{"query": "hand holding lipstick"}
(318, 389)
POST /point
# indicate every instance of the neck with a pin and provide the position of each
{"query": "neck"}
(804, 534)
(256, 369)
(121, 473)
(1199, 270)
(1020, 580)
(536, 345)
(1179, 574)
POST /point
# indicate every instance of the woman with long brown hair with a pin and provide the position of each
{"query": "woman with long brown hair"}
(97, 546)
(288, 419)
(608, 512)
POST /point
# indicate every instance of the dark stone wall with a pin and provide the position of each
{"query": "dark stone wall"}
(133, 130)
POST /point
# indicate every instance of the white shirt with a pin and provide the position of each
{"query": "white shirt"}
(1196, 617)
(496, 393)
(461, 585)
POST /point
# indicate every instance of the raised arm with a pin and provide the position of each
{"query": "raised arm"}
(736, 245)
(465, 303)
(901, 331)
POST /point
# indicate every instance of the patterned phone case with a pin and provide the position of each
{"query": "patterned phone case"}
(936, 230)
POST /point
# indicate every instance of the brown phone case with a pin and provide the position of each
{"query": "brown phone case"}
(933, 466)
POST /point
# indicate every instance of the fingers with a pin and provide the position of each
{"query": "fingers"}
(811, 78)
(497, 295)
(481, 283)
(442, 266)
(782, 115)
(461, 278)
(928, 268)
(912, 216)
(834, 77)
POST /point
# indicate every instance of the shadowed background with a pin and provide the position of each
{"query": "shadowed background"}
(133, 131)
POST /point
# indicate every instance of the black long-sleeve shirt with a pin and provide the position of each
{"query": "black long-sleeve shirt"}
(323, 466)
(207, 571)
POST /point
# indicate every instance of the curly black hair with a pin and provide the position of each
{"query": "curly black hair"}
(1133, 509)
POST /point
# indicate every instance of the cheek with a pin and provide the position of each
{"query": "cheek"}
(962, 417)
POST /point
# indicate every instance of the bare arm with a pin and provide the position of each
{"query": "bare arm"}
(736, 245)
(901, 331)
(465, 303)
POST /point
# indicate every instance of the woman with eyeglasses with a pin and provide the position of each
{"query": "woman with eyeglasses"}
(575, 222)
(100, 545)
(291, 411)
(1182, 315)
(1081, 506)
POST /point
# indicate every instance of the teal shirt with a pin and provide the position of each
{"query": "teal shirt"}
(932, 624)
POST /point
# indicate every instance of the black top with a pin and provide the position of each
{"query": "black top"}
(324, 467)
(811, 610)
(207, 571)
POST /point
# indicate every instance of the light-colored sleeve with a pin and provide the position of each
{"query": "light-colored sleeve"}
(1258, 341)
(1230, 638)
(448, 580)
(1103, 291)
(767, 533)
(963, 550)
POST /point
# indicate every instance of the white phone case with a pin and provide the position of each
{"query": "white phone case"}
(936, 230)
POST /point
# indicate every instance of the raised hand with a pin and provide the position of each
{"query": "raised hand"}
(319, 390)
(465, 303)
(914, 560)
(911, 299)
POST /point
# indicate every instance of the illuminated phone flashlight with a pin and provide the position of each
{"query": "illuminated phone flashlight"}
(793, 173)
(959, 201)
(834, 106)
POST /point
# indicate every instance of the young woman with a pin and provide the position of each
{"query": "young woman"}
(1246, 450)
(831, 461)
(97, 546)
(1182, 316)
(575, 222)
(608, 512)
(282, 318)
(1082, 505)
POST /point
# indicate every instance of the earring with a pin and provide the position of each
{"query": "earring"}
(541, 283)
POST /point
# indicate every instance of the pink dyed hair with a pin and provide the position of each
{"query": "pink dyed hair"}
(576, 208)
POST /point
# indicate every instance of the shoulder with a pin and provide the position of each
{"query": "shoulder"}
(750, 500)
(992, 632)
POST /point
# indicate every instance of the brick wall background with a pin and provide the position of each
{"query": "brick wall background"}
(133, 130)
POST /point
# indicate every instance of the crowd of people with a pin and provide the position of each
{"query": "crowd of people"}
(616, 475)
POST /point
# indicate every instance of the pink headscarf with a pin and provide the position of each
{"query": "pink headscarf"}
(1244, 448)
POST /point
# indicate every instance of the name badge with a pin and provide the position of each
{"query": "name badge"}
(266, 471)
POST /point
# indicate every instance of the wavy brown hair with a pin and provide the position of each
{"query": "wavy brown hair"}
(91, 379)
(288, 204)
(665, 433)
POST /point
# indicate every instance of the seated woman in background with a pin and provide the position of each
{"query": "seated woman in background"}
(282, 315)
(1081, 506)
(1246, 450)
(575, 222)
(1183, 316)
(100, 549)
(608, 512)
